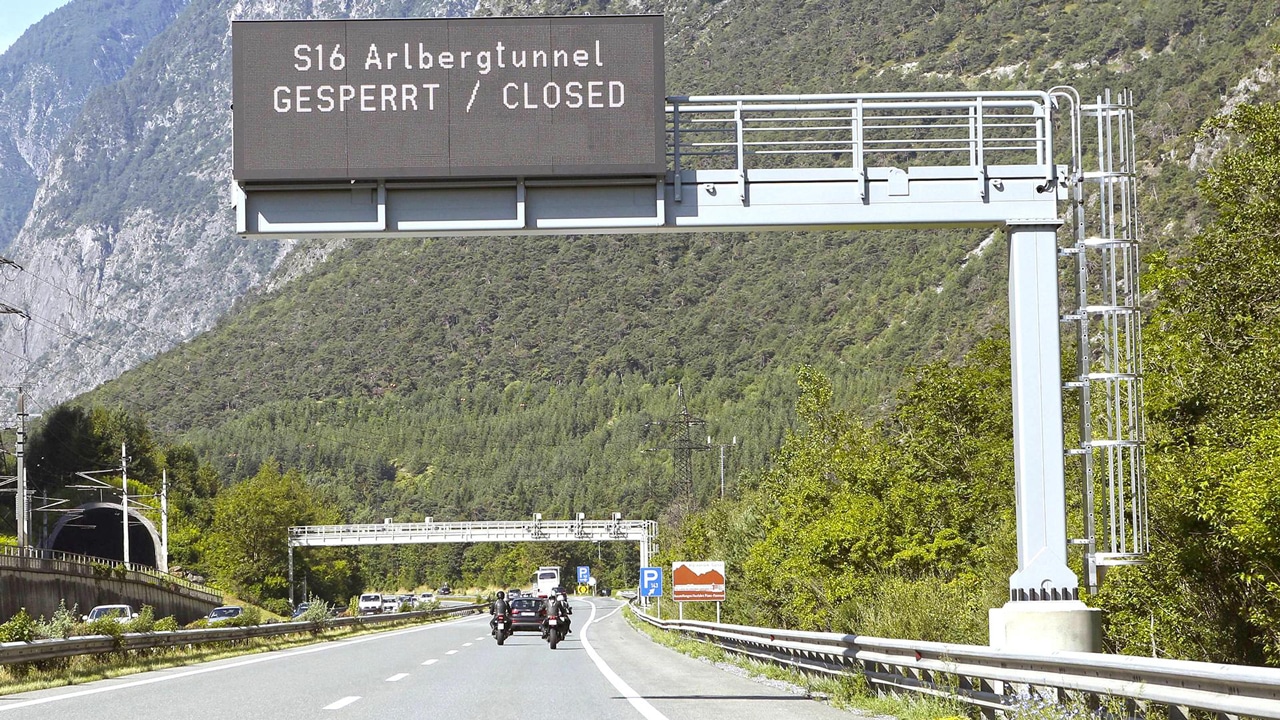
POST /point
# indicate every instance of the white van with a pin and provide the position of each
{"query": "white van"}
(370, 604)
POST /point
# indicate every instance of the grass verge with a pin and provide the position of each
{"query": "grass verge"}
(87, 668)
(847, 693)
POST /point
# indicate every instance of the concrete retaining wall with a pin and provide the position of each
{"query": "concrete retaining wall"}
(38, 584)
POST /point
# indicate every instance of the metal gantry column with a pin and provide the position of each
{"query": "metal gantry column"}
(1040, 485)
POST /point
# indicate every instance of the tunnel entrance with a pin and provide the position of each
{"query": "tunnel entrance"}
(95, 529)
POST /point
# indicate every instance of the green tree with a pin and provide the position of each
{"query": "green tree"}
(1211, 590)
(247, 545)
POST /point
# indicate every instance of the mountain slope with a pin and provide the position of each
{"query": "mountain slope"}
(128, 238)
(47, 75)
(139, 222)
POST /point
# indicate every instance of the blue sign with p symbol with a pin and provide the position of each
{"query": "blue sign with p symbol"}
(650, 582)
(584, 574)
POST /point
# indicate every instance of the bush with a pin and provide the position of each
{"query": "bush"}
(279, 606)
(318, 612)
(19, 628)
(167, 624)
(103, 626)
(144, 623)
(61, 625)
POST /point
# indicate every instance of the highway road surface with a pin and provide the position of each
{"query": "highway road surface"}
(453, 669)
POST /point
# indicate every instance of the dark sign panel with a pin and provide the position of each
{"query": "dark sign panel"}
(478, 97)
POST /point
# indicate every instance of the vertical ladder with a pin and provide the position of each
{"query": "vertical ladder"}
(1108, 327)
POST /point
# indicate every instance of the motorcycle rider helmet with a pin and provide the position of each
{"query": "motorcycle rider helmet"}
(501, 595)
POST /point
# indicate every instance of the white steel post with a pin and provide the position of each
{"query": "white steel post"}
(1043, 573)
(1044, 609)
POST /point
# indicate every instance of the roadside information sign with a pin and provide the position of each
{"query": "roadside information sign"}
(650, 582)
(330, 100)
(697, 581)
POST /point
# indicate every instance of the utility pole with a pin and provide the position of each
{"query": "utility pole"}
(22, 514)
(163, 565)
(124, 500)
(722, 447)
(682, 445)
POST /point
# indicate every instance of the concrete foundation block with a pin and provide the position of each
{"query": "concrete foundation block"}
(1046, 626)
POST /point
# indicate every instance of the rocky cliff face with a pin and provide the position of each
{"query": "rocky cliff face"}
(115, 136)
(47, 76)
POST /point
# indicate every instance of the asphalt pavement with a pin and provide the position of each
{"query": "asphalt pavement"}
(604, 669)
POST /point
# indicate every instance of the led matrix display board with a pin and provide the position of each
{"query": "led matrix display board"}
(440, 98)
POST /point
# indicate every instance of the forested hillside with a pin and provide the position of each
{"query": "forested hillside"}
(491, 378)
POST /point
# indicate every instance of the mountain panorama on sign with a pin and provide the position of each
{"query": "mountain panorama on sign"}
(684, 576)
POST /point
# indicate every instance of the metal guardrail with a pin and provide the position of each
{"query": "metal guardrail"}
(998, 680)
(75, 564)
(14, 652)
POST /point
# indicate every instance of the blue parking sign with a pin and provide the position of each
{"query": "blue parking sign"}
(650, 582)
(584, 574)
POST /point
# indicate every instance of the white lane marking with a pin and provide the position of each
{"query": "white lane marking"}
(483, 637)
(451, 652)
(432, 661)
(633, 697)
(250, 661)
(466, 644)
(397, 677)
(342, 703)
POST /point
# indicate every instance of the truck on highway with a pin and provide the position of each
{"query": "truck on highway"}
(546, 580)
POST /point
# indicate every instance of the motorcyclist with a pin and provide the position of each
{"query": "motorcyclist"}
(557, 607)
(501, 607)
(550, 609)
(565, 611)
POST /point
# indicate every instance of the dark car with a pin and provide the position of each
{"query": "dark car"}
(302, 607)
(444, 590)
(527, 614)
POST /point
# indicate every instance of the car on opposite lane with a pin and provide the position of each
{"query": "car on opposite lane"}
(224, 612)
(121, 613)
(369, 604)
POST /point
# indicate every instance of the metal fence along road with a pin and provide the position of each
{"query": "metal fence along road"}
(997, 680)
(13, 652)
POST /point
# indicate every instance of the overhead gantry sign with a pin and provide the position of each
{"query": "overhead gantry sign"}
(642, 532)
(310, 166)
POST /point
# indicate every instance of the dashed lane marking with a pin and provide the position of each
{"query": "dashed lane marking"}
(216, 667)
(432, 661)
(451, 652)
(342, 703)
(397, 677)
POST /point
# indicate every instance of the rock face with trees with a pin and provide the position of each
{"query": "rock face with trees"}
(865, 375)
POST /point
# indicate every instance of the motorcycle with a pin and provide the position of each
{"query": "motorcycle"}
(501, 630)
(555, 631)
